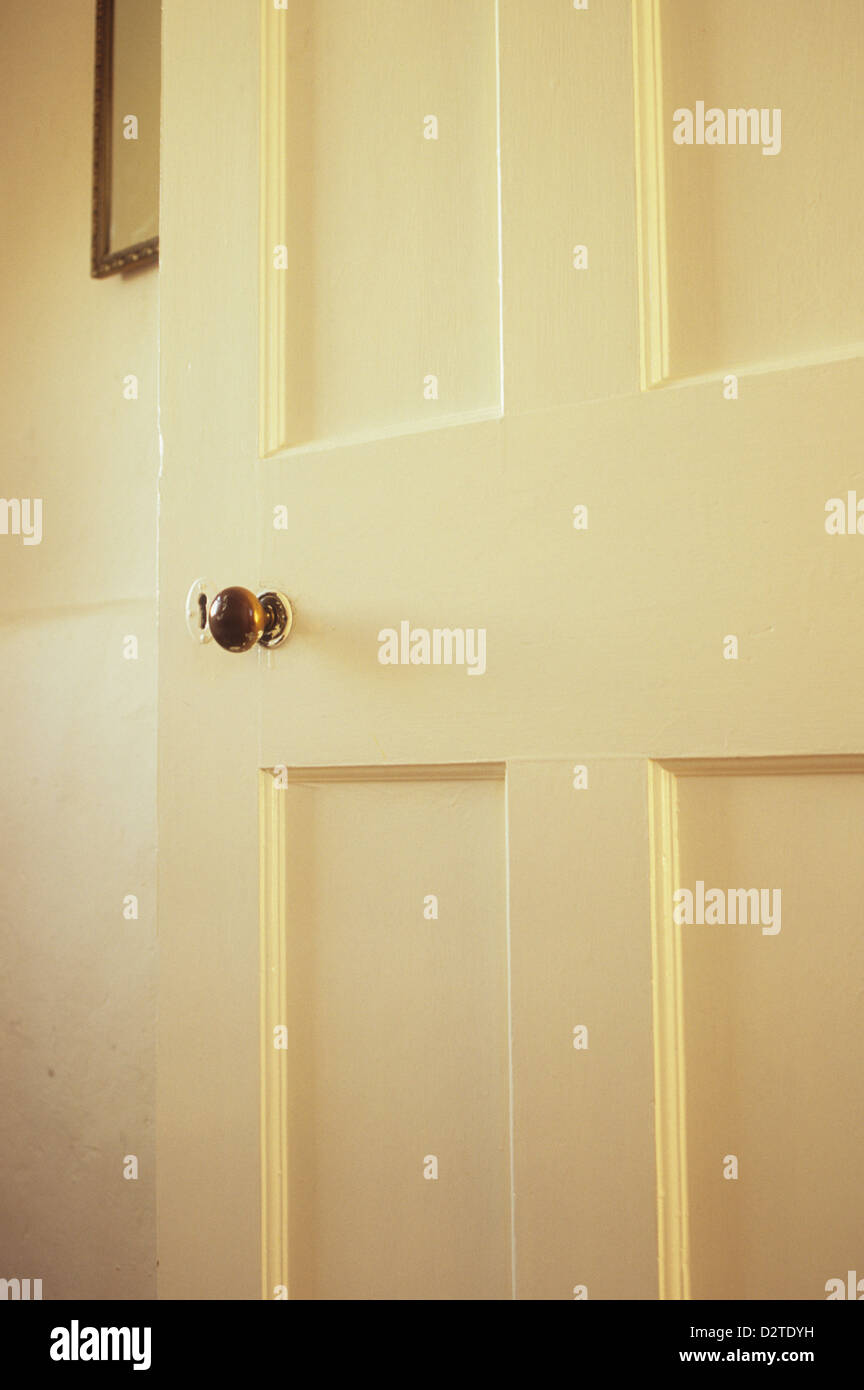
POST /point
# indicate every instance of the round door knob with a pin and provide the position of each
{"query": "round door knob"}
(239, 619)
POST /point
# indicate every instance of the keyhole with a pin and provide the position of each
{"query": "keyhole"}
(202, 611)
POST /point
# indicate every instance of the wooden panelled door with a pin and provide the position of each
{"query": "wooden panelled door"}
(509, 910)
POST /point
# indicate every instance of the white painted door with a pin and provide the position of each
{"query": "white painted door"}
(457, 335)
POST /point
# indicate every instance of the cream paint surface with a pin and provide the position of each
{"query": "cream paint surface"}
(772, 1030)
(77, 819)
(706, 517)
(355, 343)
(758, 245)
(394, 1018)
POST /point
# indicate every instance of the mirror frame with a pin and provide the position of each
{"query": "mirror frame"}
(104, 261)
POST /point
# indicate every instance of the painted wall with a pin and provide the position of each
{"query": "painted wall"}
(77, 719)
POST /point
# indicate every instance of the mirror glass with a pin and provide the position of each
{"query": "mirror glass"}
(126, 181)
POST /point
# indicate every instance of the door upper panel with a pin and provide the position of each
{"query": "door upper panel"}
(762, 196)
(380, 236)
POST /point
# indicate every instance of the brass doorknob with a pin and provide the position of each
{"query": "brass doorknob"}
(240, 620)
